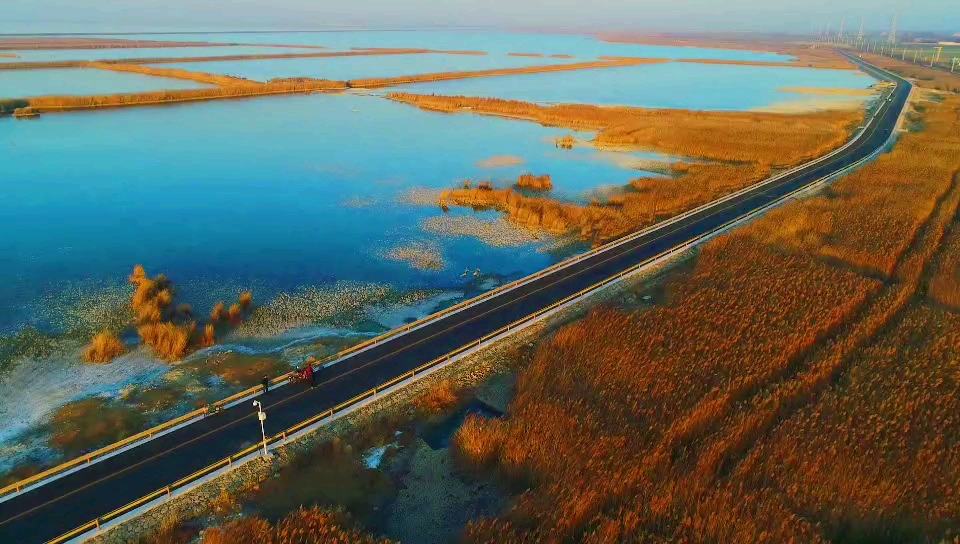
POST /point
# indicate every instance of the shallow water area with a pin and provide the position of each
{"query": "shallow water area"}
(582, 47)
(359, 67)
(51, 55)
(668, 85)
(265, 194)
(83, 81)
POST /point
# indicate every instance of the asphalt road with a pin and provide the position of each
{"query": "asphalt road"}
(64, 504)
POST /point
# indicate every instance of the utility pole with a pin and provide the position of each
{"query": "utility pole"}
(939, 49)
(915, 51)
(904, 57)
(892, 37)
(953, 63)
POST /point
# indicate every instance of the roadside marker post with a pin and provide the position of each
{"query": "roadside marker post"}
(262, 416)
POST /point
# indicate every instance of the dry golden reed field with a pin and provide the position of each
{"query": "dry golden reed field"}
(745, 145)
(768, 138)
(799, 384)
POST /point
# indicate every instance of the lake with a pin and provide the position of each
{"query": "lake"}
(344, 68)
(582, 47)
(49, 55)
(668, 85)
(80, 81)
(325, 206)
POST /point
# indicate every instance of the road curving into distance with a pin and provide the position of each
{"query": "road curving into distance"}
(57, 507)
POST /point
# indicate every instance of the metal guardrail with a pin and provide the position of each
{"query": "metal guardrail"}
(87, 459)
(412, 375)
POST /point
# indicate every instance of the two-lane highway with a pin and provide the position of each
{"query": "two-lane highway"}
(61, 505)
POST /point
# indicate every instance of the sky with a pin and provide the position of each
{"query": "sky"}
(794, 16)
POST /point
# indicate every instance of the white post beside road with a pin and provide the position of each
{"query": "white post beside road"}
(262, 416)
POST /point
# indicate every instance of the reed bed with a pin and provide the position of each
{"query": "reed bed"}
(200, 77)
(776, 396)
(104, 347)
(768, 138)
(170, 329)
(609, 389)
(895, 195)
(373, 83)
(944, 285)
(924, 76)
(49, 104)
(534, 183)
(808, 55)
(645, 202)
(298, 527)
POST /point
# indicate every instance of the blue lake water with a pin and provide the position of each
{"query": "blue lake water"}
(272, 193)
(583, 47)
(667, 85)
(343, 68)
(147, 52)
(80, 81)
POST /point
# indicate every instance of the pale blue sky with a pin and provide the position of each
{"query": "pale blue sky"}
(796, 16)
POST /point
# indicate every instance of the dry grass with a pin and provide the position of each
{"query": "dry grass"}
(775, 397)
(766, 138)
(647, 201)
(104, 347)
(534, 183)
(170, 329)
(304, 526)
(333, 474)
(372, 83)
(87, 424)
(440, 399)
(50, 104)
(944, 285)
(200, 77)
(923, 76)
(894, 195)
(169, 341)
(808, 55)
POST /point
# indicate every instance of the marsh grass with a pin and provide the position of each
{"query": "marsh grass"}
(104, 347)
(87, 424)
(765, 138)
(305, 525)
(774, 396)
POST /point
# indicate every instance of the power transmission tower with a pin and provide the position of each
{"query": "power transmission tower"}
(860, 33)
(892, 37)
(843, 23)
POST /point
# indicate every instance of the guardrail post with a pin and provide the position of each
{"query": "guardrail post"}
(98, 525)
(284, 437)
(169, 493)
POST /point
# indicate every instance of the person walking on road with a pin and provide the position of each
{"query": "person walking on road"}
(265, 382)
(311, 375)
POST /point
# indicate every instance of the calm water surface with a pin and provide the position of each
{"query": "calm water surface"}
(584, 47)
(667, 85)
(79, 81)
(147, 52)
(276, 193)
(343, 68)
